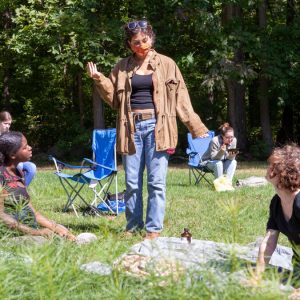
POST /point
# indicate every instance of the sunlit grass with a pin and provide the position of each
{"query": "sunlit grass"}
(54, 273)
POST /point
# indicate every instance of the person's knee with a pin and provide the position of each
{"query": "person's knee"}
(234, 162)
(217, 168)
(219, 164)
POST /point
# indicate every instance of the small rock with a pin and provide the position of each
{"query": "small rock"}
(29, 240)
(97, 267)
(85, 238)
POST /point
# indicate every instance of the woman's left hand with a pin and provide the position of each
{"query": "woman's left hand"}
(64, 232)
(71, 237)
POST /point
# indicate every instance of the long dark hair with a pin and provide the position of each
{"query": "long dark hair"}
(10, 143)
(130, 33)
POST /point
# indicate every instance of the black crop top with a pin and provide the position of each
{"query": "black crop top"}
(142, 92)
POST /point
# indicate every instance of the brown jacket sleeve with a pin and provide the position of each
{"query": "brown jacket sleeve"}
(185, 110)
(106, 87)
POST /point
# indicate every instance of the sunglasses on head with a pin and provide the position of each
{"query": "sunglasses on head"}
(137, 24)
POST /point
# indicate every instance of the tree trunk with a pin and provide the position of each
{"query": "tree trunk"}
(5, 92)
(286, 132)
(264, 111)
(290, 12)
(236, 111)
(80, 99)
(253, 120)
(236, 91)
(7, 16)
(263, 86)
(98, 110)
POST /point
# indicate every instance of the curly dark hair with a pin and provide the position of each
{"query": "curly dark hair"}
(285, 163)
(129, 33)
(10, 143)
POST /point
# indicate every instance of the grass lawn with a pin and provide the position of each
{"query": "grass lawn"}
(54, 273)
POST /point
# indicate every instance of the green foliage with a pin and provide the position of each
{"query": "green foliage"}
(44, 47)
(260, 150)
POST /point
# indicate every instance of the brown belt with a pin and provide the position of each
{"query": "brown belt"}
(137, 116)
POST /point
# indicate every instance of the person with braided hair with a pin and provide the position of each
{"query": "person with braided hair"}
(28, 168)
(16, 209)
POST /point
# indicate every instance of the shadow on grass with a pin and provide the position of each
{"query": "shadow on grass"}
(179, 184)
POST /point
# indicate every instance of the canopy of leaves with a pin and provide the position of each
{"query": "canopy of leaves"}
(45, 44)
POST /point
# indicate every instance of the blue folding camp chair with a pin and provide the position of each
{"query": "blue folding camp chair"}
(97, 173)
(196, 148)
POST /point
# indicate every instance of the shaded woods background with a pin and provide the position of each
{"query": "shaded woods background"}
(240, 60)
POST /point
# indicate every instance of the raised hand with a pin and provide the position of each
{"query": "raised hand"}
(92, 70)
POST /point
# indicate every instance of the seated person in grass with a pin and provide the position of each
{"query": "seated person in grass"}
(28, 168)
(16, 210)
(221, 153)
(284, 216)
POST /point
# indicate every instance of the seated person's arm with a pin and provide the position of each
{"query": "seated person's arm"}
(216, 152)
(266, 249)
(12, 223)
(54, 227)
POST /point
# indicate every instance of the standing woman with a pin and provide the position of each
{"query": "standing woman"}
(28, 168)
(148, 91)
(284, 214)
(221, 153)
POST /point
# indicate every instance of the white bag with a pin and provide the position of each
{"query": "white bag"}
(223, 184)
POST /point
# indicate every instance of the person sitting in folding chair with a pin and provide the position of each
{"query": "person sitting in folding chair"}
(221, 153)
(16, 210)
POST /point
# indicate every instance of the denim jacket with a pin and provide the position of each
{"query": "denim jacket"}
(170, 97)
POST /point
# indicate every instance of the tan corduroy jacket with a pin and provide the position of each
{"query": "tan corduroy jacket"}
(170, 97)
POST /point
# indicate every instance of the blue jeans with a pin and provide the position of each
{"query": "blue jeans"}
(220, 167)
(29, 170)
(134, 165)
